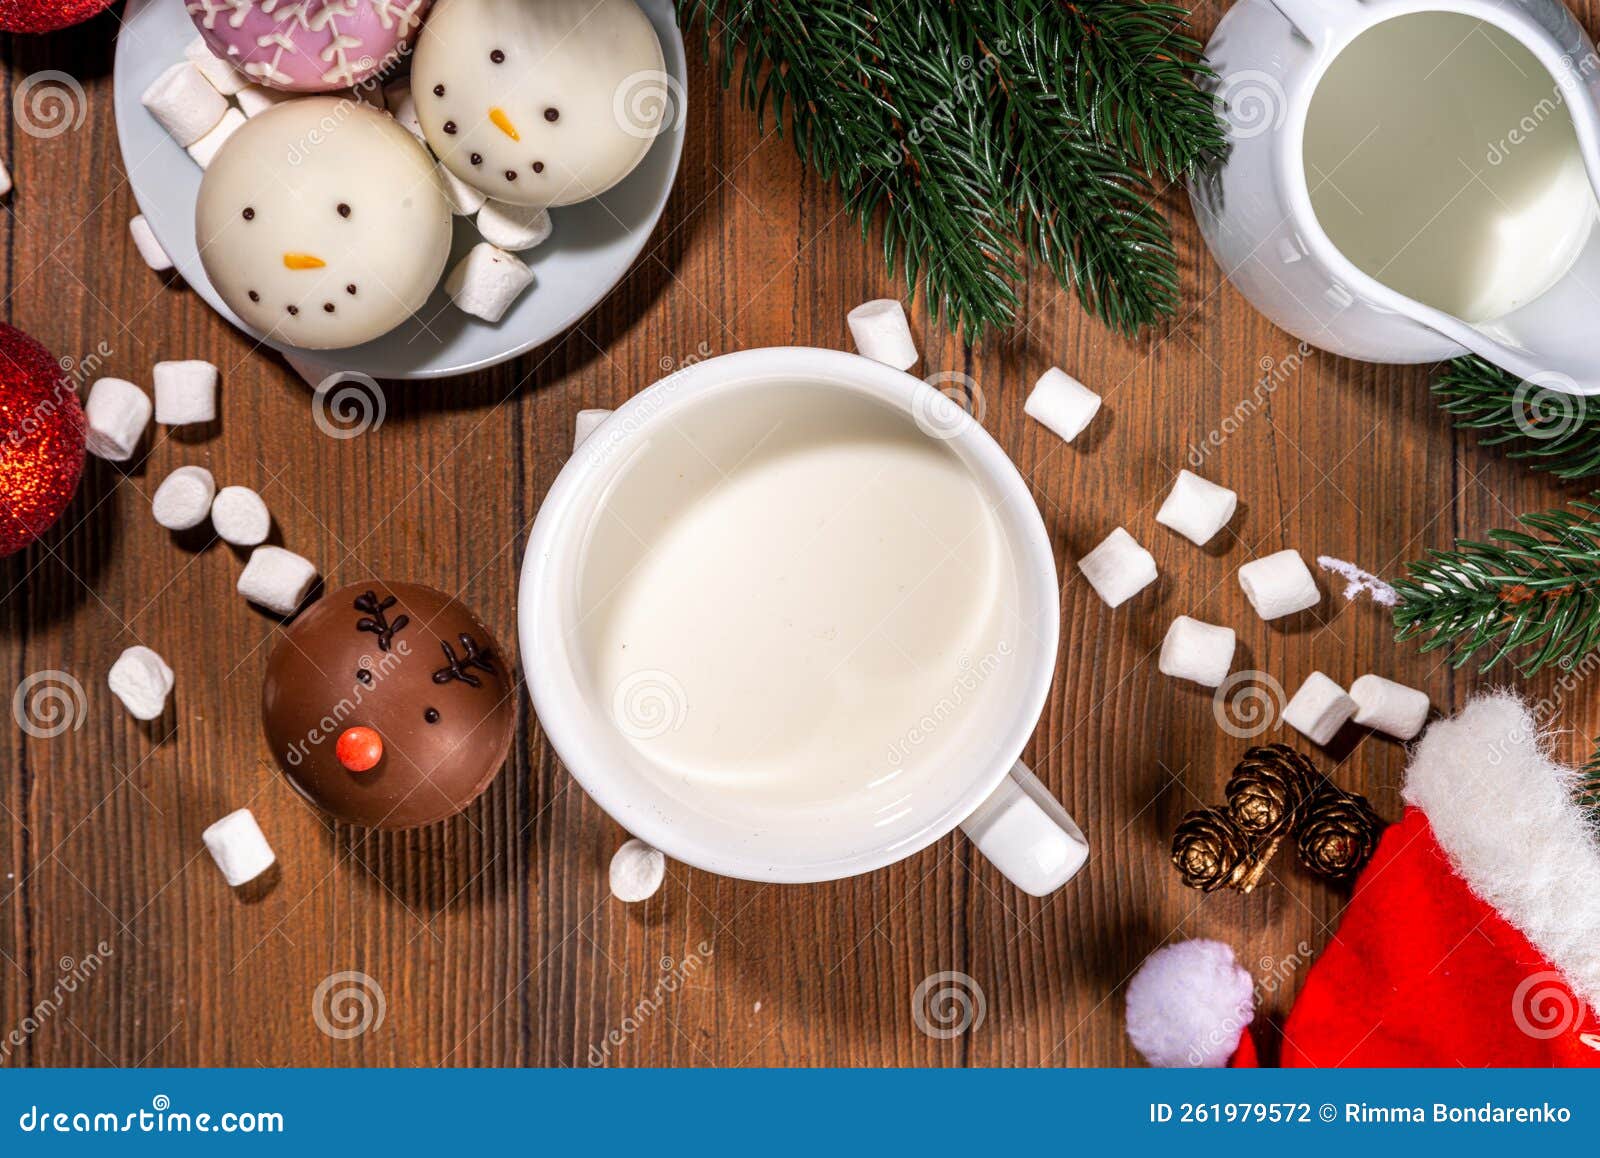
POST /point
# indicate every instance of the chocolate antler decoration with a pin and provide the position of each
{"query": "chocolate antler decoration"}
(456, 669)
(376, 620)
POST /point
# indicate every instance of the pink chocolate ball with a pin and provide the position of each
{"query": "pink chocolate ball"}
(309, 45)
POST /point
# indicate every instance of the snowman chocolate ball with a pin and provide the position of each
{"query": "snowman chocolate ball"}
(539, 102)
(322, 223)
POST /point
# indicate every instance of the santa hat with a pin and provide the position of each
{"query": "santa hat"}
(1473, 935)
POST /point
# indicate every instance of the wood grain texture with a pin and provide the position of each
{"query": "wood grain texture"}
(493, 938)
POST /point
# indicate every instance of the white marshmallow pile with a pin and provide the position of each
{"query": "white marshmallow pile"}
(185, 102)
(142, 680)
(186, 392)
(1118, 569)
(513, 227)
(880, 332)
(183, 500)
(118, 412)
(1199, 652)
(1062, 403)
(1279, 584)
(240, 517)
(585, 425)
(1388, 707)
(464, 199)
(255, 99)
(637, 871)
(144, 240)
(1319, 709)
(277, 579)
(238, 846)
(206, 148)
(1197, 509)
(223, 77)
(486, 281)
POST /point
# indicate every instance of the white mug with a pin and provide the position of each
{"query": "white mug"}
(980, 783)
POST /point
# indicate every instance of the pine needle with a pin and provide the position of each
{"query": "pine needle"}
(1548, 430)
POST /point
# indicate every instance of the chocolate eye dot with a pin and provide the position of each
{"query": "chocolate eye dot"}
(450, 127)
(552, 114)
(431, 715)
(438, 90)
(538, 166)
(255, 297)
(293, 310)
(511, 174)
(497, 56)
(477, 158)
(364, 676)
(344, 210)
(249, 213)
(327, 307)
(350, 289)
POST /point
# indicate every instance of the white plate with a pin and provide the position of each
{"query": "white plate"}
(592, 246)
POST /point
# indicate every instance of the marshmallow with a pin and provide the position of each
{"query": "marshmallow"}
(881, 332)
(185, 103)
(513, 227)
(1196, 651)
(141, 679)
(226, 79)
(464, 199)
(205, 149)
(239, 848)
(1388, 707)
(487, 281)
(637, 871)
(255, 99)
(277, 579)
(185, 392)
(403, 107)
(1197, 509)
(1118, 568)
(585, 424)
(1319, 709)
(184, 498)
(1279, 584)
(118, 411)
(240, 517)
(1062, 403)
(144, 240)
(5, 179)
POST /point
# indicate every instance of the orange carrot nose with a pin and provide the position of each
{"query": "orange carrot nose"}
(498, 118)
(302, 261)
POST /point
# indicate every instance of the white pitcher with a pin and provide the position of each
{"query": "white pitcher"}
(1411, 180)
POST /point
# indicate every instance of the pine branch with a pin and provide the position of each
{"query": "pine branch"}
(1548, 430)
(1518, 593)
(983, 137)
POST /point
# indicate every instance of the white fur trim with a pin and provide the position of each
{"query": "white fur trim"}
(1504, 812)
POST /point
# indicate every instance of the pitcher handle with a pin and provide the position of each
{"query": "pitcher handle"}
(1317, 20)
(1027, 835)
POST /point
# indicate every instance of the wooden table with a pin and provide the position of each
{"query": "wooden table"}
(492, 939)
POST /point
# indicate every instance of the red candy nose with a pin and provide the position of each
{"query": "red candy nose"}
(359, 749)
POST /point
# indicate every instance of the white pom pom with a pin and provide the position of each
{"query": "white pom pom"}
(1189, 1005)
(637, 871)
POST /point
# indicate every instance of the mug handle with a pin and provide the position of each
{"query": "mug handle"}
(1027, 835)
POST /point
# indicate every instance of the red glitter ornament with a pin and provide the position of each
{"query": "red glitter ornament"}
(47, 15)
(42, 429)
(359, 749)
